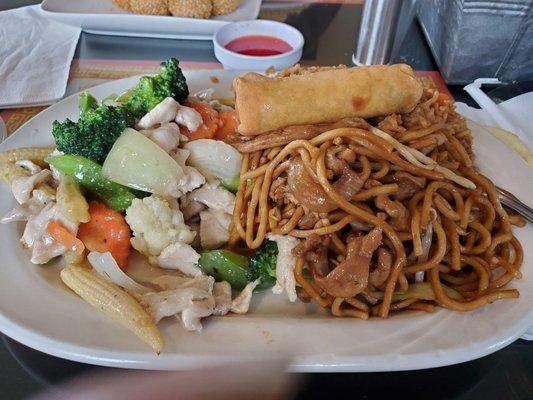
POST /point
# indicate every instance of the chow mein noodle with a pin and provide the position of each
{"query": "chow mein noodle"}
(392, 215)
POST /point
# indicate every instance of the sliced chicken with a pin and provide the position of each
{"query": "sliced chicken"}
(22, 187)
(44, 248)
(189, 118)
(214, 228)
(161, 114)
(29, 165)
(167, 136)
(179, 256)
(214, 197)
(192, 178)
(285, 263)
(222, 295)
(191, 315)
(168, 303)
(40, 198)
(241, 303)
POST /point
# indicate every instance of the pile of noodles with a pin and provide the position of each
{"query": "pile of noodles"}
(458, 242)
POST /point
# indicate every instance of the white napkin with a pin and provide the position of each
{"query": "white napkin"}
(518, 110)
(520, 176)
(35, 56)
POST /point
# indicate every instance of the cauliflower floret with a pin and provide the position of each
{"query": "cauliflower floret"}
(285, 264)
(155, 225)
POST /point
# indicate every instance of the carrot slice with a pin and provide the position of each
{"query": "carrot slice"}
(210, 122)
(230, 122)
(61, 234)
(107, 231)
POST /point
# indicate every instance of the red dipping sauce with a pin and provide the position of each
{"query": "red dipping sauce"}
(259, 45)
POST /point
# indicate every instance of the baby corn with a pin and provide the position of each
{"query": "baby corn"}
(35, 154)
(113, 301)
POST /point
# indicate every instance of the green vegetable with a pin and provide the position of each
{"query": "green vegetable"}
(151, 90)
(232, 187)
(94, 133)
(237, 270)
(262, 264)
(86, 102)
(424, 291)
(88, 174)
(225, 265)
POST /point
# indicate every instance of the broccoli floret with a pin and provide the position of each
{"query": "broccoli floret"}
(262, 264)
(151, 90)
(94, 133)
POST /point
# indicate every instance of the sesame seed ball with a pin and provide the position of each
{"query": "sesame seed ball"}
(223, 7)
(124, 4)
(149, 7)
(190, 8)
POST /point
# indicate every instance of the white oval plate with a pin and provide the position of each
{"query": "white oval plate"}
(104, 18)
(37, 310)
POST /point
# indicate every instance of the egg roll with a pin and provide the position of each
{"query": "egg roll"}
(264, 104)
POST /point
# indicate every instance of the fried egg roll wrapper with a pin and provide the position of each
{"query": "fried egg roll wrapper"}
(264, 104)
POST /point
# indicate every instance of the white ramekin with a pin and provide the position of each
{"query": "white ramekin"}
(232, 60)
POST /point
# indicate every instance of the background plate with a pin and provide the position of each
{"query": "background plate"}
(103, 17)
(37, 310)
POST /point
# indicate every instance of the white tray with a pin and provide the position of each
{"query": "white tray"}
(104, 18)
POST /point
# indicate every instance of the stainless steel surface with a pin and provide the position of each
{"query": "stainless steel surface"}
(7, 4)
(511, 201)
(377, 31)
(471, 39)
